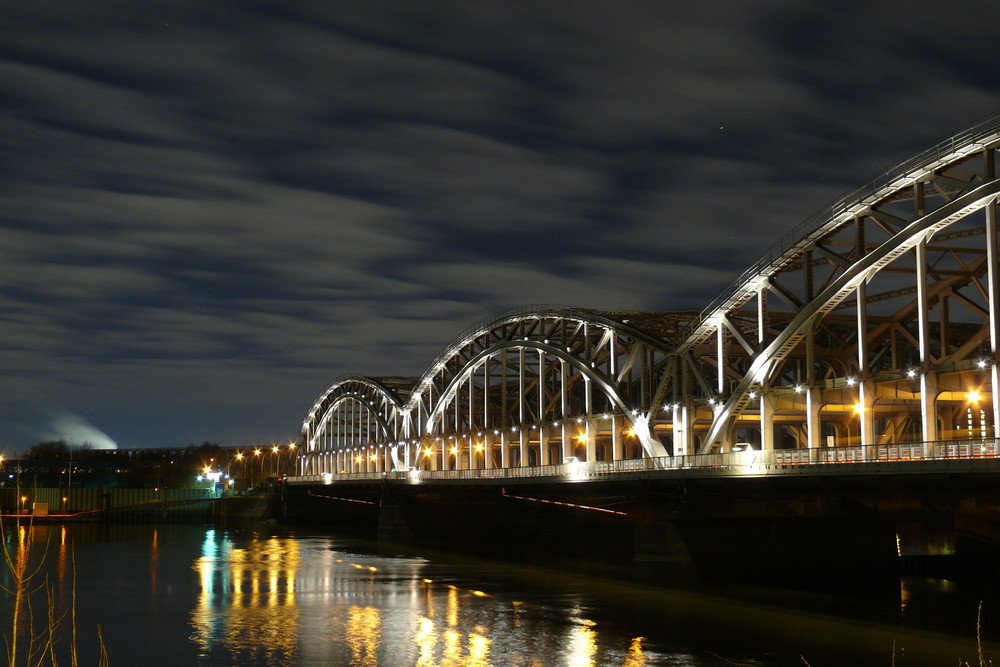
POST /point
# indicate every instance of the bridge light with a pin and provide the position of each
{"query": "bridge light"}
(496, 431)
(479, 446)
(582, 437)
(607, 416)
(912, 373)
(630, 432)
(981, 363)
(851, 381)
(711, 401)
(579, 420)
(858, 408)
(453, 450)
(753, 394)
(635, 412)
(555, 423)
(798, 389)
(972, 396)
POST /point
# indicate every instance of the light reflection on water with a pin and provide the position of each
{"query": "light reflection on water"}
(277, 600)
(185, 595)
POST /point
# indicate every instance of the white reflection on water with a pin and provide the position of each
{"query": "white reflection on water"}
(283, 601)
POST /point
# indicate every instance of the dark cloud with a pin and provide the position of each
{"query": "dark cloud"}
(208, 212)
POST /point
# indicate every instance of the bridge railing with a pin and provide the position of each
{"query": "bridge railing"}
(748, 462)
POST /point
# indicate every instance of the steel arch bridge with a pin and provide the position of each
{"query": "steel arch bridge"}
(874, 322)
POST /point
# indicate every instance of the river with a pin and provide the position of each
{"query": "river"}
(178, 595)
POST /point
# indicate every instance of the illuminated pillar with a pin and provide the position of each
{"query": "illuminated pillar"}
(814, 402)
(616, 439)
(768, 402)
(866, 388)
(993, 290)
(522, 450)
(543, 445)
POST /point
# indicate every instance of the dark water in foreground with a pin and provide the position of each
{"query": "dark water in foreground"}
(189, 595)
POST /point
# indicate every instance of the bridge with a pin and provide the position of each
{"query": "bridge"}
(848, 377)
(874, 323)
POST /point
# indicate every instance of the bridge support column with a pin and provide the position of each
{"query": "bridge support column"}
(814, 402)
(522, 450)
(543, 445)
(928, 411)
(767, 403)
(993, 292)
(504, 450)
(684, 440)
(591, 433)
(616, 438)
(866, 401)
(660, 555)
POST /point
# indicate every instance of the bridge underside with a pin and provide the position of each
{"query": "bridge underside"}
(876, 322)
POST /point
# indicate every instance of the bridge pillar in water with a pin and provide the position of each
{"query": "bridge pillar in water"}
(660, 555)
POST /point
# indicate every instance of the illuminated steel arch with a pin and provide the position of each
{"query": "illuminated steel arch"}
(883, 301)
(348, 425)
(535, 385)
(875, 321)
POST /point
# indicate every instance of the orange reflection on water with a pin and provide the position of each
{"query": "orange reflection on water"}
(479, 650)
(635, 656)
(425, 639)
(362, 633)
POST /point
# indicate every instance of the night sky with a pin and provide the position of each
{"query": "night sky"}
(211, 210)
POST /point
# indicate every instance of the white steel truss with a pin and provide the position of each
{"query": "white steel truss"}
(873, 322)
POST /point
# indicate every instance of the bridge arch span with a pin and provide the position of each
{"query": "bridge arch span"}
(881, 305)
(879, 270)
(533, 385)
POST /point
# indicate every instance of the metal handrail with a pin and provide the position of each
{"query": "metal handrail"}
(749, 461)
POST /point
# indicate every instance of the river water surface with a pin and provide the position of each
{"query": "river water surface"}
(192, 595)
